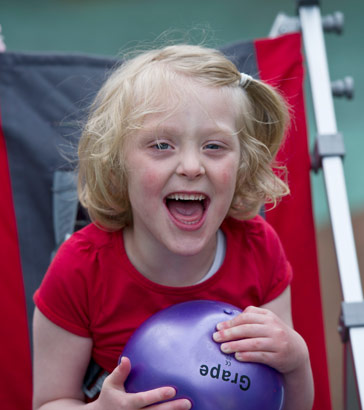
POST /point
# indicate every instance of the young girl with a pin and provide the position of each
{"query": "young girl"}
(174, 164)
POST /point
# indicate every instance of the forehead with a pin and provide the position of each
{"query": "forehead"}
(186, 101)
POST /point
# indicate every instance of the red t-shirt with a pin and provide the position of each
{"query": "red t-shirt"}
(91, 288)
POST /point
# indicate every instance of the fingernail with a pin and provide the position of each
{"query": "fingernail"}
(220, 326)
(187, 404)
(172, 391)
(217, 337)
(225, 348)
(239, 356)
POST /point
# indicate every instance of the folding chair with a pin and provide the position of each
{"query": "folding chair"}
(43, 98)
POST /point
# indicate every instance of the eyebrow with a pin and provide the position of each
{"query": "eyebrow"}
(172, 130)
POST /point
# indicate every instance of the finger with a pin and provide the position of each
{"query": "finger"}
(182, 404)
(117, 378)
(260, 344)
(147, 398)
(241, 332)
(256, 309)
(250, 315)
(267, 358)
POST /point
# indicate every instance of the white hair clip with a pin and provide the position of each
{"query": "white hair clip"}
(245, 80)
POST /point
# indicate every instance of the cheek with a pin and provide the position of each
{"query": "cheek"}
(145, 180)
(228, 175)
(152, 181)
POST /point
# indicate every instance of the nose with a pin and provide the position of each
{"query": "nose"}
(190, 164)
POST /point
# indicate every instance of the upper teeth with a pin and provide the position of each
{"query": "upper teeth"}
(187, 197)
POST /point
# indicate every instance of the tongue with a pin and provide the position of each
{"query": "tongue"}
(186, 211)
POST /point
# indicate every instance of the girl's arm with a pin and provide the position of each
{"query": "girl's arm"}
(266, 335)
(60, 362)
(299, 387)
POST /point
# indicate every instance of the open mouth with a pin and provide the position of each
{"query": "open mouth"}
(188, 209)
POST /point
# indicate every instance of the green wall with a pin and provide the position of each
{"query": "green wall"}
(110, 26)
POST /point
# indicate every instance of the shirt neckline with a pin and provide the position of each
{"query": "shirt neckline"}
(156, 287)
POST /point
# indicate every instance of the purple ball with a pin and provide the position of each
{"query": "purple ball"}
(175, 348)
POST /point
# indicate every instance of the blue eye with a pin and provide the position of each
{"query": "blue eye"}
(162, 145)
(212, 146)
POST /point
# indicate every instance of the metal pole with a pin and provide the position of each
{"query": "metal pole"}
(311, 24)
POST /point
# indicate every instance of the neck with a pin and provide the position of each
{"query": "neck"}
(164, 267)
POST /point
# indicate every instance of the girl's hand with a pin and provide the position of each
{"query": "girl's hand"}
(259, 335)
(114, 396)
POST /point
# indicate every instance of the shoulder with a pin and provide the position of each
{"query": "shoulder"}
(255, 229)
(254, 245)
(254, 237)
(86, 246)
(78, 270)
(74, 278)
(91, 237)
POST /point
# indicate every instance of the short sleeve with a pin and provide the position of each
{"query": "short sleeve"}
(278, 268)
(63, 294)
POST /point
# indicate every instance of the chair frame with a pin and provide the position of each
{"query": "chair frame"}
(328, 154)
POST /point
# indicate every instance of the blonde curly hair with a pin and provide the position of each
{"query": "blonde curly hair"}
(134, 90)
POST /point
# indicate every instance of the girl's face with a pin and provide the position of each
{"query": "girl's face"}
(182, 169)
